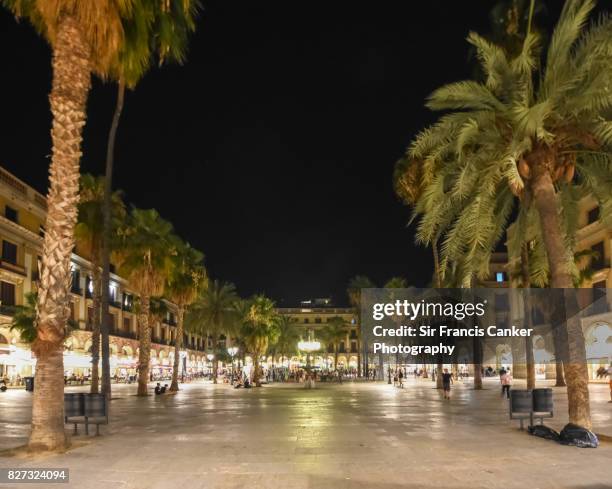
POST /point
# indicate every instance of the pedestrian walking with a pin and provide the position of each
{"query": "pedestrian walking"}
(447, 380)
(506, 383)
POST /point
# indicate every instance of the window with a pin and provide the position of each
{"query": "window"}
(342, 348)
(318, 320)
(127, 301)
(112, 293)
(500, 277)
(35, 271)
(502, 302)
(76, 281)
(306, 321)
(600, 304)
(89, 287)
(593, 215)
(353, 347)
(7, 293)
(353, 333)
(598, 262)
(9, 252)
(127, 324)
(10, 214)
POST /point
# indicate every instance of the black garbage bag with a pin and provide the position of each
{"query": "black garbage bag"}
(543, 432)
(572, 434)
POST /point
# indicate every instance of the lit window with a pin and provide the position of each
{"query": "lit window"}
(499, 277)
(112, 292)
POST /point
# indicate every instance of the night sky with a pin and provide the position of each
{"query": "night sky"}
(272, 149)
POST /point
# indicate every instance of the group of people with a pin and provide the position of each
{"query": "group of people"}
(159, 389)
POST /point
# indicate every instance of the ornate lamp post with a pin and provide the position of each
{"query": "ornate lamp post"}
(183, 356)
(232, 350)
(309, 346)
(210, 357)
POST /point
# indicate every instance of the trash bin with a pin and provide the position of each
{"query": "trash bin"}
(542, 400)
(74, 405)
(96, 406)
(521, 401)
(29, 384)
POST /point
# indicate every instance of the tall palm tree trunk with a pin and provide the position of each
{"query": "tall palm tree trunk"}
(256, 380)
(575, 369)
(215, 362)
(95, 332)
(180, 315)
(439, 369)
(525, 275)
(335, 357)
(71, 83)
(358, 357)
(108, 181)
(477, 364)
(144, 355)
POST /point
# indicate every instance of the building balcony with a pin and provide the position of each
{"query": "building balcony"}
(125, 334)
(7, 310)
(13, 267)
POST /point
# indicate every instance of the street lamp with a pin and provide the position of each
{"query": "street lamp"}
(210, 357)
(183, 357)
(309, 346)
(232, 350)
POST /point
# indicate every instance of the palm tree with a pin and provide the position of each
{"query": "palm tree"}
(288, 338)
(408, 183)
(85, 38)
(160, 35)
(182, 288)
(213, 313)
(78, 48)
(542, 138)
(334, 333)
(24, 319)
(146, 260)
(89, 233)
(259, 331)
(354, 294)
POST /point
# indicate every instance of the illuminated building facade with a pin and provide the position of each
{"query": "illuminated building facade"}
(22, 218)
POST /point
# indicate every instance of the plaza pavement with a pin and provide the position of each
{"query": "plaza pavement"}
(354, 435)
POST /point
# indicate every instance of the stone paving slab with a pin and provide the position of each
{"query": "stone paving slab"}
(355, 435)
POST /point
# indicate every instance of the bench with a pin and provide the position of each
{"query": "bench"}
(82, 408)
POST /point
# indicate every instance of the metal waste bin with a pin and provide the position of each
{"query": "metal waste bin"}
(543, 400)
(521, 405)
(543, 404)
(96, 406)
(74, 405)
(29, 384)
(521, 401)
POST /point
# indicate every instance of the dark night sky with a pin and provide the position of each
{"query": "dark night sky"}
(272, 149)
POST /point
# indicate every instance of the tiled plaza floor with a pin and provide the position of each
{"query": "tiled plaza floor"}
(357, 435)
